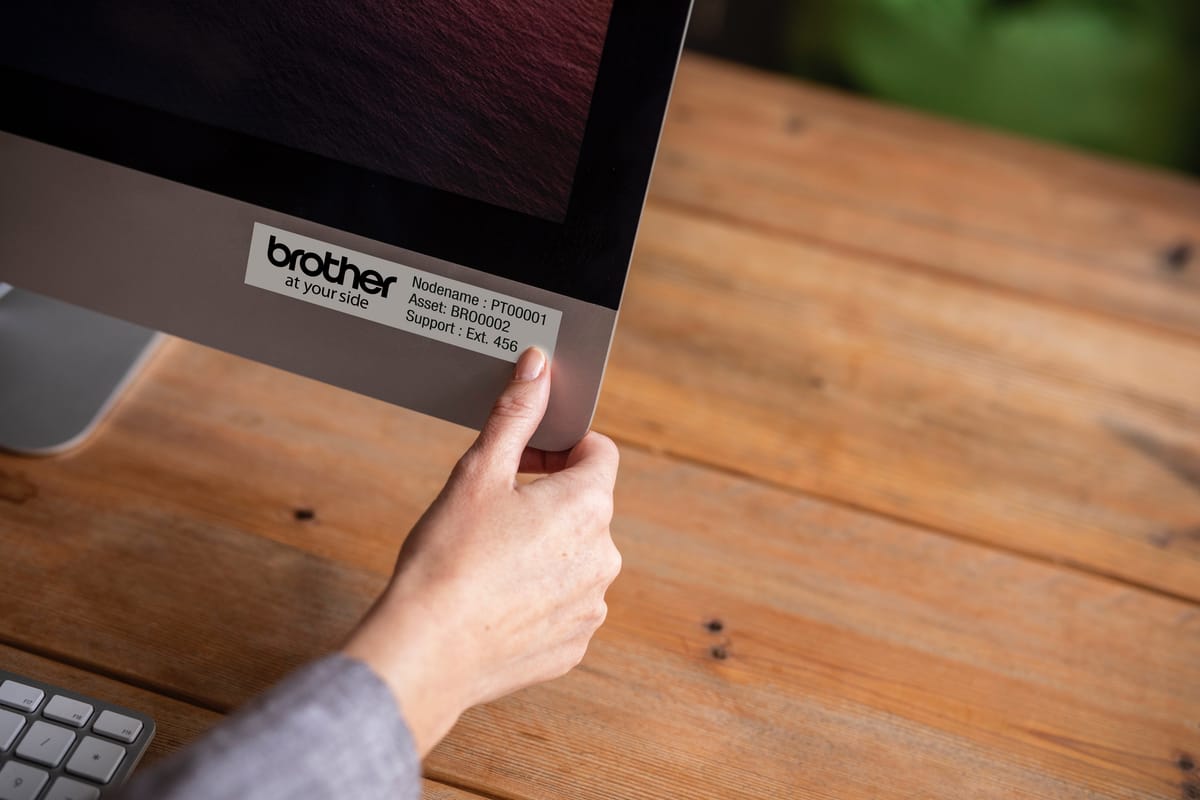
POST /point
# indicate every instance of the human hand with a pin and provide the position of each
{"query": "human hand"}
(499, 585)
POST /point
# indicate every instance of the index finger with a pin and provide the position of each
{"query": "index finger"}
(597, 455)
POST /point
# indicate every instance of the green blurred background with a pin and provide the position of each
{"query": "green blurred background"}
(1117, 76)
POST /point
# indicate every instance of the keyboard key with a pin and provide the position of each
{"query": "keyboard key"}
(71, 789)
(10, 726)
(20, 781)
(96, 759)
(45, 743)
(73, 712)
(117, 726)
(20, 696)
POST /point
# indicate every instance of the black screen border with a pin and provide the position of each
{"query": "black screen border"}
(585, 257)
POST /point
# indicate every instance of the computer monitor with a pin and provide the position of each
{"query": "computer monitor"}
(394, 197)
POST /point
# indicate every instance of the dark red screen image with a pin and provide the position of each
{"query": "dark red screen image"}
(482, 98)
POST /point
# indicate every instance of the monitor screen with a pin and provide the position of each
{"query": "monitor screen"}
(483, 99)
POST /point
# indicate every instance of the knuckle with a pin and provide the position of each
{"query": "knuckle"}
(606, 450)
(468, 469)
(615, 562)
(600, 613)
(610, 448)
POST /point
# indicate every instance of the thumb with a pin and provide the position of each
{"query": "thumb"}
(515, 416)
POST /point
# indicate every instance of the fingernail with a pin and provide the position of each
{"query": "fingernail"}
(530, 365)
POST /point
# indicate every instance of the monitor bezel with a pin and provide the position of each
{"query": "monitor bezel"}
(584, 257)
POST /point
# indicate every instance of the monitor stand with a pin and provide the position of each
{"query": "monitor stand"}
(61, 368)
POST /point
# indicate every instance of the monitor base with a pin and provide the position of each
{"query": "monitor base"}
(61, 368)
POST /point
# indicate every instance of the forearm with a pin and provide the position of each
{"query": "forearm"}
(330, 730)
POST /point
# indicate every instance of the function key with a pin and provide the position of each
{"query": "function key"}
(117, 726)
(75, 713)
(19, 696)
(10, 726)
(20, 781)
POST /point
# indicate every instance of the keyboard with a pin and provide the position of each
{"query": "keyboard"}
(56, 744)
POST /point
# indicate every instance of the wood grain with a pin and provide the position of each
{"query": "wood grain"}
(854, 653)
(775, 154)
(979, 413)
(432, 790)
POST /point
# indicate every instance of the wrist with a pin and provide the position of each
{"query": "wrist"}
(400, 642)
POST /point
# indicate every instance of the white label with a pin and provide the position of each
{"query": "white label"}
(400, 297)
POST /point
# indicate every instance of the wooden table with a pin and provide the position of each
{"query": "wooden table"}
(909, 504)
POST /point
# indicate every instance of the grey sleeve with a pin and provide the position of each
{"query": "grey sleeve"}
(330, 730)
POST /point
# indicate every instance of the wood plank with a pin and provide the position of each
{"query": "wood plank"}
(774, 153)
(858, 652)
(1033, 427)
(178, 723)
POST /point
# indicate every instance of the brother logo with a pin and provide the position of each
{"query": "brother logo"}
(312, 265)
